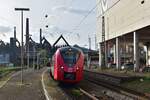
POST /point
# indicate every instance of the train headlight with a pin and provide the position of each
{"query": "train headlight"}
(77, 68)
(62, 67)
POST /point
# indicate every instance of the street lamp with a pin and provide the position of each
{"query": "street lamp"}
(22, 55)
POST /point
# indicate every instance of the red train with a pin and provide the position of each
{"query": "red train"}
(67, 65)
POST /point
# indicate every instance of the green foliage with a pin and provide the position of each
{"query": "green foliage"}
(43, 56)
(142, 85)
(5, 71)
(76, 92)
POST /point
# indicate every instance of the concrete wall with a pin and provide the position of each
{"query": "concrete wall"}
(126, 16)
(98, 30)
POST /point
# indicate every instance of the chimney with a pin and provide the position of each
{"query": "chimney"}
(27, 33)
(40, 36)
(15, 32)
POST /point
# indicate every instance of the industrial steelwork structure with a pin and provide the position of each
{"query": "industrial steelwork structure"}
(123, 32)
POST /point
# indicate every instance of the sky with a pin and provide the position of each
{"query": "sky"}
(64, 17)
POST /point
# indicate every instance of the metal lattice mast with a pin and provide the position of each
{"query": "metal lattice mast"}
(104, 52)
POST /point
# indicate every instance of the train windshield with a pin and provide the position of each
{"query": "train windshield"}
(70, 56)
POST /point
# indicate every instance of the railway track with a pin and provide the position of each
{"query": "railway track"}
(94, 78)
(80, 91)
(88, 94)
(94, 97)
(84, 94)
(92, 88)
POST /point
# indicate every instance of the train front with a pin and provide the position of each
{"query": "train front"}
(69, 65)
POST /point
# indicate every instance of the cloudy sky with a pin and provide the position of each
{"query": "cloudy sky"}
(64, 17)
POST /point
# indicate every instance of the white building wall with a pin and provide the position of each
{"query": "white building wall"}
(98, 22)
(98, 30)
(126, 16)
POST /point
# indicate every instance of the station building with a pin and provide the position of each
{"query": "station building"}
(123, 33)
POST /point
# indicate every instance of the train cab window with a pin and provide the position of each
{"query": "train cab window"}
(70, 57)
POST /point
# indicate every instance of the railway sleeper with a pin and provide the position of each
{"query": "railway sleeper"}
(106, 79)
(110, 78)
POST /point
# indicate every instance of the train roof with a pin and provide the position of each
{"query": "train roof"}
(69, 47)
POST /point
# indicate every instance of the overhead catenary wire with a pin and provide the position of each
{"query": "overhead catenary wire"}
(45, 20)
(102, 13)
(83, 19)
(100, 2)
(59, 22)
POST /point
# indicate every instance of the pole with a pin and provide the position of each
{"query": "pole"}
(100, 56)
(95, 43)
(22, 55)
(33, 57)
(88, 57)
(136, 51)
(89, 43)
(118, 63)
(105, 51)
(27, 41)
(37, 63)
(22, 46)
(103, 45)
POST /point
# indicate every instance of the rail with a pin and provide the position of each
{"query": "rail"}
(96, 79)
